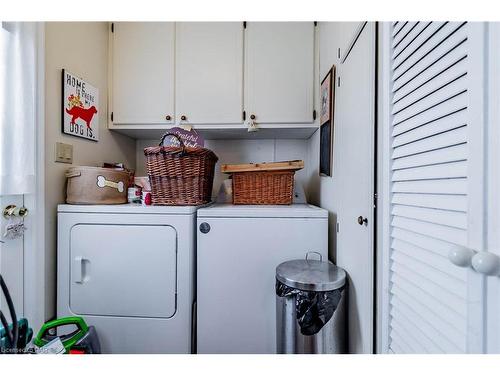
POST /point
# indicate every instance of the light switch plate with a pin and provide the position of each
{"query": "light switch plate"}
(64, 153)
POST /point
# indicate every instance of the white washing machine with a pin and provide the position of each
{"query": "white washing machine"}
(239, 248)
(129, 271)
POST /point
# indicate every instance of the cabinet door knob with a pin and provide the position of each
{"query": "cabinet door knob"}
(168, 117)
(461, 256)
(183, 118)
(362, 220)
(252, 117)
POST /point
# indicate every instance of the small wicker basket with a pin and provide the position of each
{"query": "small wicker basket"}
(180, 176)
(263, 184)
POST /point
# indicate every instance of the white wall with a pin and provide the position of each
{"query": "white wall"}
(242, 151)
(323, 191)
(82, 48)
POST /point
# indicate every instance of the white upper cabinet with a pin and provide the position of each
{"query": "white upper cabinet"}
(279, 71)
(143, 73)
(209, 72)
(213, 75)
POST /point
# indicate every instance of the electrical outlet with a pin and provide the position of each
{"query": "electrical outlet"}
(64, 153)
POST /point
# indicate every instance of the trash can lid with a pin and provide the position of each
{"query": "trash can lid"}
(311, 275)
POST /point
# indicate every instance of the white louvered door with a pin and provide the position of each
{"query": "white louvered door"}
(436, 194)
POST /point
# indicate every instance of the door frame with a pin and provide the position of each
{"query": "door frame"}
(383, 160)
(34, 239)
(492, 324)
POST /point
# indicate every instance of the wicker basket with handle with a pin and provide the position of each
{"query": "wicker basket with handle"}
(180, 176)
(264, 183)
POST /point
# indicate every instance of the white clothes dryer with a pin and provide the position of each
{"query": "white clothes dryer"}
(129, 270)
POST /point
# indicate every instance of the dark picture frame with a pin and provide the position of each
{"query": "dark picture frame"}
(327, 100)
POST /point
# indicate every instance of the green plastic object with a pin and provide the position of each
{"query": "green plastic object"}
(68, 340)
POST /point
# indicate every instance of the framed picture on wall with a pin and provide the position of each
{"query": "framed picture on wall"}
(327, 96)
(80, 107)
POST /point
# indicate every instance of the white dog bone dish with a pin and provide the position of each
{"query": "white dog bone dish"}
(102, 182)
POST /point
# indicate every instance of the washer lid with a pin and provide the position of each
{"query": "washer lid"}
(311, 275)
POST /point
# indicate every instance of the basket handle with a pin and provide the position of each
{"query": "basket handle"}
(173, 135)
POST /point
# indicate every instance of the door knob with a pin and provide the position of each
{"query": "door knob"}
(12, 210)
(168, 117)
(486, 263)
(183, 118)
(461, 256)
(362, 220)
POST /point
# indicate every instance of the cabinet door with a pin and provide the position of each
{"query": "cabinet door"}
(209, 72)
(355, 114)
(143, 73)
(279, 71)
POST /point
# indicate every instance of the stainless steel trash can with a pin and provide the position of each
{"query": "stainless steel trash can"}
(310, 307)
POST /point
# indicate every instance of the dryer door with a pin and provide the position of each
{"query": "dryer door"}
(123, 270)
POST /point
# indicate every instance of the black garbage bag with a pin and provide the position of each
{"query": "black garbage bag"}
(314, 309)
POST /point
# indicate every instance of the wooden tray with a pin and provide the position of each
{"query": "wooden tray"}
(292, 165)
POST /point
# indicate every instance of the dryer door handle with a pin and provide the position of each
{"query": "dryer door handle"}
(77, 270)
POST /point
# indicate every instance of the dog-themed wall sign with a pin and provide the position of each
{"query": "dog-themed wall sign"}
(80, 112)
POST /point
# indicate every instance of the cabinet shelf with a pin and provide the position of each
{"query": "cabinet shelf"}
(237, 131)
